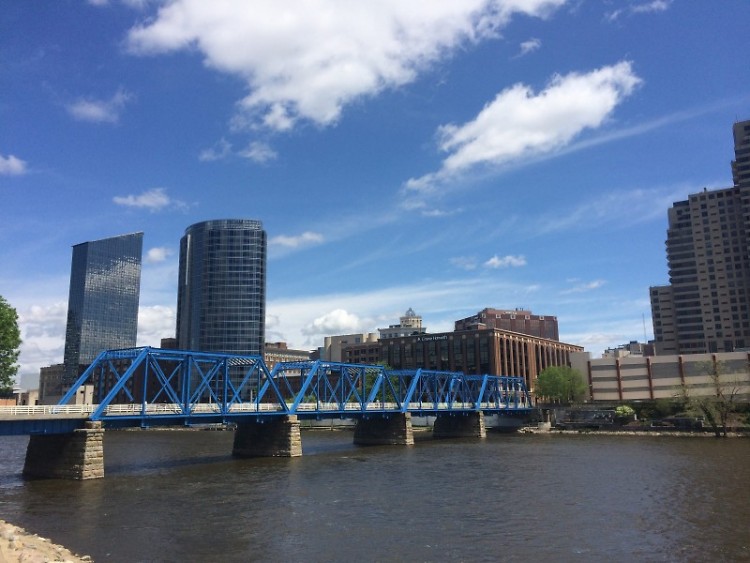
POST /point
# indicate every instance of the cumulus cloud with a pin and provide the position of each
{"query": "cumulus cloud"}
(529, 46)
(157, 255)
(42, 339)
(520, 123)
(335, 322)
(305, 239)
(308, 60)
(153, 200)
(219, 151)
(258, 152)
(12, 166)
(641, 8)
(155, 323)
(505, 262)
(100, 111)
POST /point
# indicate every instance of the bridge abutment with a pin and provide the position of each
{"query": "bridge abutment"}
(76, 456)
(459, 425)
(278, 437)
(395, 430)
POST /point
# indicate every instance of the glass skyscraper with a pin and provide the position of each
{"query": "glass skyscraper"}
(221, 294)
(105, 285)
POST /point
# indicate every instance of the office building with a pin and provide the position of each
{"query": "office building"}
(409, 324)
(704, 309)
(221, 293)
(478, 351)
(333, 346)
(278, 352)
(515, 320)
(105, 284)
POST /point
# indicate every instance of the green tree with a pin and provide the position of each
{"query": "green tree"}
(720, 405)
(10, 341)
(560, 384)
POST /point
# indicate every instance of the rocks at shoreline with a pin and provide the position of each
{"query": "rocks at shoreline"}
(19, 546)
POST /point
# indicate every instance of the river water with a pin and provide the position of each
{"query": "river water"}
(180, 496)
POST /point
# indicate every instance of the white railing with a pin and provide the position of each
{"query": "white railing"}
(43, 410)
(133, 409)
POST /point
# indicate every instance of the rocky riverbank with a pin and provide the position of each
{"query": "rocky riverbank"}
(19, 546)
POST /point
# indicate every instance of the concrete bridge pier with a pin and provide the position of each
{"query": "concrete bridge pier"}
(75, 456)
(459, 425)
(388, 430)
(278, 437)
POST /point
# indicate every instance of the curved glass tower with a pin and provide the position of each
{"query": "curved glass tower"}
(221, 294)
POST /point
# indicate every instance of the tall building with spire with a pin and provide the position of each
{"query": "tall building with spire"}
(105, 284)
(705, 307)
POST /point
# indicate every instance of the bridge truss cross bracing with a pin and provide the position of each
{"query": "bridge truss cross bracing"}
(151, 386)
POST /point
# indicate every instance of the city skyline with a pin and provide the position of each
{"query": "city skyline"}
(443, 157)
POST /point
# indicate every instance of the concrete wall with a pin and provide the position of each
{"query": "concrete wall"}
(638, 378)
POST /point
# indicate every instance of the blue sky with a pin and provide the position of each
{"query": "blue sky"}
(442, 155)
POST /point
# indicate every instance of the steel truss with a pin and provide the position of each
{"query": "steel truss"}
(157, 386)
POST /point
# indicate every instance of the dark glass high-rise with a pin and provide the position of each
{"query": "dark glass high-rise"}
(105, 285)
(221, 295)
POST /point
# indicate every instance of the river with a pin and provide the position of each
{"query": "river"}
(180, 496)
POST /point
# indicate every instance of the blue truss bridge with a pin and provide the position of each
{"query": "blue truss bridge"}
(147, 387)
(151, 387)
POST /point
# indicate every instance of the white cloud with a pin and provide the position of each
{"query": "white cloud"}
(153, 200)
(308, 60)
(157, 255)
(12, 166)
(42, 329)
(154, 323)
(258, 152)
(520, 124)
(301, 321)
(100, 111)
(583, 287)
(335, 322)
(529, 46)
(305, 239)
(219, 151)
(643, 8)
(464, 262)
(505, 262)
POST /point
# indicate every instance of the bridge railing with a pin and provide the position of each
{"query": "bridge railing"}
(45, 410)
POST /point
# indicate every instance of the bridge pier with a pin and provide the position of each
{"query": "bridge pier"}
(278, 437)
(76, 456)
(392, 430)
(459, 425)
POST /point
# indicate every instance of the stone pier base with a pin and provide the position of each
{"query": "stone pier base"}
(460, 425)
(394, 429)
(75, 456)
(277, 437)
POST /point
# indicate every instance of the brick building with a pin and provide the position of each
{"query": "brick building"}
(515, 320)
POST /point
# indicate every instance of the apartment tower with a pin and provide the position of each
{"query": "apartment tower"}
(221, 293)
(704, 309)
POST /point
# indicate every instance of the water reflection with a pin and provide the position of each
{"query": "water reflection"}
(172, 496)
